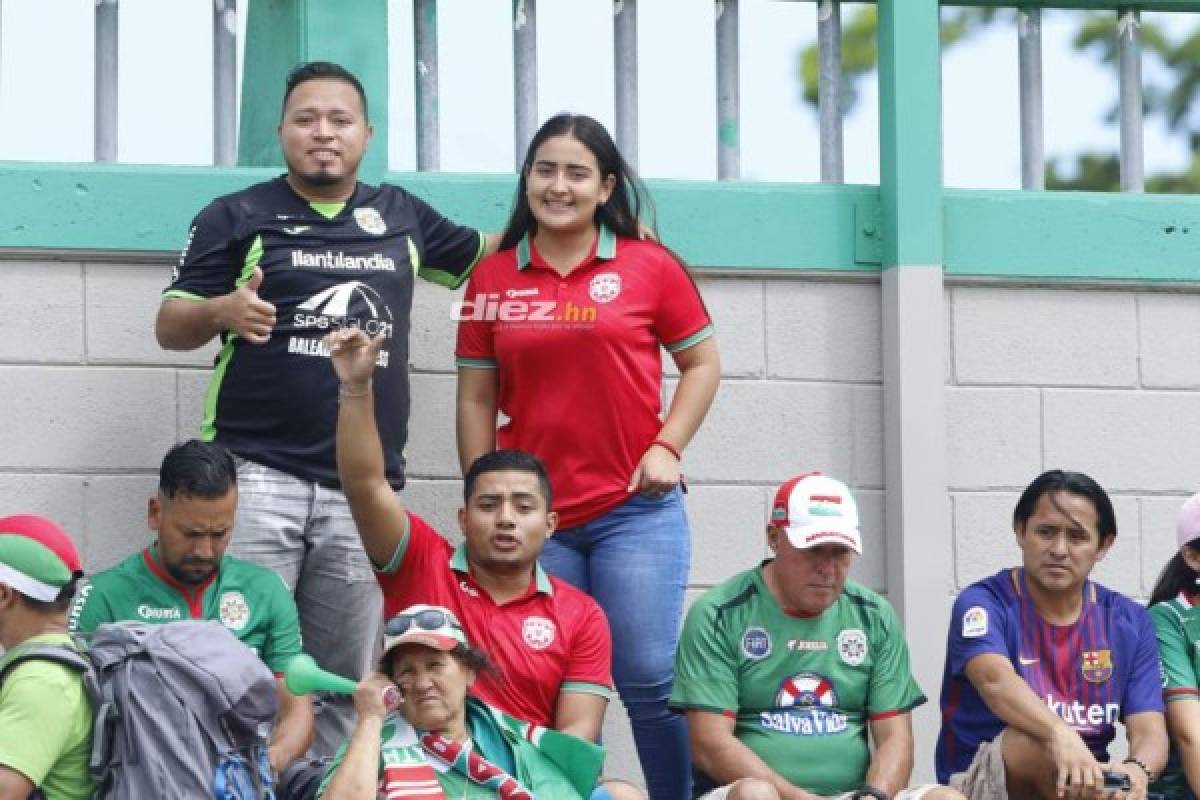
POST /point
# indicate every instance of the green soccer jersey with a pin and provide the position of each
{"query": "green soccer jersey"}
(1177, 627)
(251, 601)
(801, 689)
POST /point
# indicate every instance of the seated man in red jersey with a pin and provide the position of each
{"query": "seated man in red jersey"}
(1041, 663)
(550, 641)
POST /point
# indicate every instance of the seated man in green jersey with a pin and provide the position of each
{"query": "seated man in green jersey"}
(783, 669)
(185, 574)
(45, 715)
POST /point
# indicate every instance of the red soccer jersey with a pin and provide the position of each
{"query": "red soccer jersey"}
(554, 638)
(580, 370)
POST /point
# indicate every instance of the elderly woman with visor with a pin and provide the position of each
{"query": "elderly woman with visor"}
(420, 735)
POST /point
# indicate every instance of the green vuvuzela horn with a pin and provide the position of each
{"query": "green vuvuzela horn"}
(302, 675)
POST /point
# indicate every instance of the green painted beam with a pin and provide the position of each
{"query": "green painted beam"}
(109, 206)
(1078, 5)
(1084, 5)
(910, 132)
(735, 226)
(1073, 235)
(281, 34)
(124, 207)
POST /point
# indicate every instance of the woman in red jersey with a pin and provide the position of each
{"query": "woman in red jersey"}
(562, 332)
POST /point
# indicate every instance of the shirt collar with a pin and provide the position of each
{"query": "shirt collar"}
(458, 563)
(605, 250)
(154, 564)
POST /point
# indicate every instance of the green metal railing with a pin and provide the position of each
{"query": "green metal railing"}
(143, 211)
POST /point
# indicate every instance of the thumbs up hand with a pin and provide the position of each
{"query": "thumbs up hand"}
(247, 314)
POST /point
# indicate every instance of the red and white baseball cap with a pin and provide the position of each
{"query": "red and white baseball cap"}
(1187, 527)
(814, 509)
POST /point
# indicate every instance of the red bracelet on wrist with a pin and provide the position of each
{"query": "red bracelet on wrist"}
(670, 448)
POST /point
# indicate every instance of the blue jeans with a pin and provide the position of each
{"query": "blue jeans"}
(634, 562)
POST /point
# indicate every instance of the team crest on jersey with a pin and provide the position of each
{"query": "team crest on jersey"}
(233, 611)
(538, 632)
(1097, 665)
(852, 646)
(605, 287)
(756, 643)
(370, 220)
(975, 622)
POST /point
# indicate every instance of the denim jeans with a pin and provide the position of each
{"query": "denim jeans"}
(634, 562)
(305, 533)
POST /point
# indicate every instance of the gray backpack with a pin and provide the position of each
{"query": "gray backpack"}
(183, 710)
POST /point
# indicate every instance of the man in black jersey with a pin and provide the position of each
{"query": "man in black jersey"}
(270, 270)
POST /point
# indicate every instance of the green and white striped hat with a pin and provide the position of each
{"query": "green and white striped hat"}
(37, 558)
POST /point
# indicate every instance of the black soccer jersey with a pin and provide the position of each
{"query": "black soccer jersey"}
(276, 403)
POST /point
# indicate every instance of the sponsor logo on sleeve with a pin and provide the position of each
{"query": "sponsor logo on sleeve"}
(852, 646)
(183, 254)
(975, 622)
(756, 643)
(80, 601)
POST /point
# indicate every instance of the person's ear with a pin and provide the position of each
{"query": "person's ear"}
(1190, 557)
(154, 514)
(608, 184)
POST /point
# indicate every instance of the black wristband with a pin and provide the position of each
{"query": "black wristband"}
(1142, 766)
(871, 792)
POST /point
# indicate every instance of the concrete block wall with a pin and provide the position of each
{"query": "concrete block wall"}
(1093, 379)
(91, 403)
(1103, 381)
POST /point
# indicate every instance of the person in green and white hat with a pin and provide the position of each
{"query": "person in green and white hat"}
(45, 716)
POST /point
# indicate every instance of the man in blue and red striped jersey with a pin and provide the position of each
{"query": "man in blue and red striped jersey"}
(1041, 662)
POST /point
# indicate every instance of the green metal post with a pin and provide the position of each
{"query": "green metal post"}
(920, 546)
(283, 33)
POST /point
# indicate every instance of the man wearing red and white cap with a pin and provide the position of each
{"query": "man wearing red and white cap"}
(45, 716)
(783, 669)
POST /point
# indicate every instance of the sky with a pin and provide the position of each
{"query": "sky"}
(165, 117)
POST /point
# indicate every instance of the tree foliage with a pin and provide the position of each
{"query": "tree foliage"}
(1171, 90)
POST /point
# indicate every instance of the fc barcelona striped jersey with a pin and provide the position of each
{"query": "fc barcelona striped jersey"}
(1091, 673)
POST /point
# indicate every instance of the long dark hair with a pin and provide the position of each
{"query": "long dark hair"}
(626, 205)
(1175, 577)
